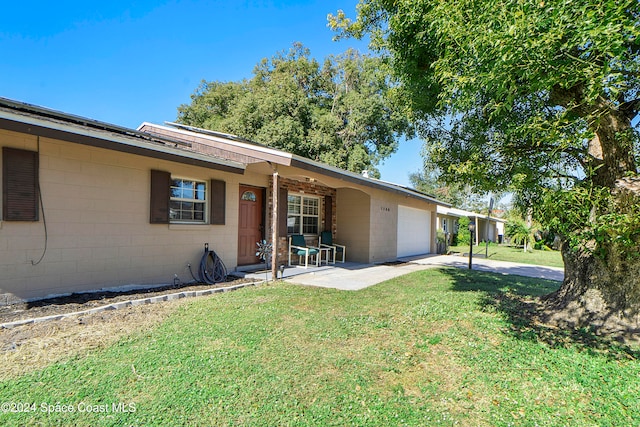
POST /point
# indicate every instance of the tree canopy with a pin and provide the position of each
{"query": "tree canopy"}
(460, 195)
(534, 96)
(526, 85)
(537, 96)
(340, 112)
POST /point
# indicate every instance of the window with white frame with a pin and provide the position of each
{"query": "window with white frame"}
(188, 201)
(303, 214)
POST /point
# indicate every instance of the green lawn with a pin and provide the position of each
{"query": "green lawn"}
(433, 348)
(514, 254)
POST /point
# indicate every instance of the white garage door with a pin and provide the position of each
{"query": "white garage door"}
(414, 231)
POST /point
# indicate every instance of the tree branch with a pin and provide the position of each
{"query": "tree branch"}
(630, 108)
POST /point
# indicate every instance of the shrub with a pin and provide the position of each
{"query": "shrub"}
(463, 233)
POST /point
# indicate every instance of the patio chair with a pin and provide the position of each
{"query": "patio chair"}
(298, 246)
(326, 241)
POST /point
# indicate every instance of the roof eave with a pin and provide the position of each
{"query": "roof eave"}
(258, 152)
(39, 121)
(355, 178)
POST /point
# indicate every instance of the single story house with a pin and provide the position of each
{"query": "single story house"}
(487, 228)
(88, 205)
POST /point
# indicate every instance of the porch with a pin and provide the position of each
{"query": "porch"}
(351, 276)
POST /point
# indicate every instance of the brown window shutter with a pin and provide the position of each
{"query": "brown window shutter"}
(283, 211)
(160, 194)
(218, 202)
(328, 213)
(19, 185)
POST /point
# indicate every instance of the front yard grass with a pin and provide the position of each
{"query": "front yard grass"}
(432, 348)
(514, 254)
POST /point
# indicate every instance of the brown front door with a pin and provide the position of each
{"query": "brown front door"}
(249, 224)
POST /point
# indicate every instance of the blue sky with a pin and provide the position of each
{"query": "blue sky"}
(126, 62)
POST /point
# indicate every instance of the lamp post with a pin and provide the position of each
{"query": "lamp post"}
(486, 238)
(472, 229)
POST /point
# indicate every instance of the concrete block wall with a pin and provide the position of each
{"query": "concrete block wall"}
(96, 206)
(354, 211)
(384, 228)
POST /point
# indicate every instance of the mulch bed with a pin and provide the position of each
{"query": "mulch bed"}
(88, 300)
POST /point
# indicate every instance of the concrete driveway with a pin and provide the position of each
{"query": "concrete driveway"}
(354, 276)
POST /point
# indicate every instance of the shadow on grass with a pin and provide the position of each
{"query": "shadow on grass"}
(516, 298)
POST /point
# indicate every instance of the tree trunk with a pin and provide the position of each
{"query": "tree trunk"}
(601, 292)
(602, 295)
(611, 150)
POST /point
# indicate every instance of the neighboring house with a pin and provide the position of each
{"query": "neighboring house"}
(487, 228)
(88, 205)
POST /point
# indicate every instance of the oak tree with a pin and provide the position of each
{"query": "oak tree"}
(340, 112)
(540, 97)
